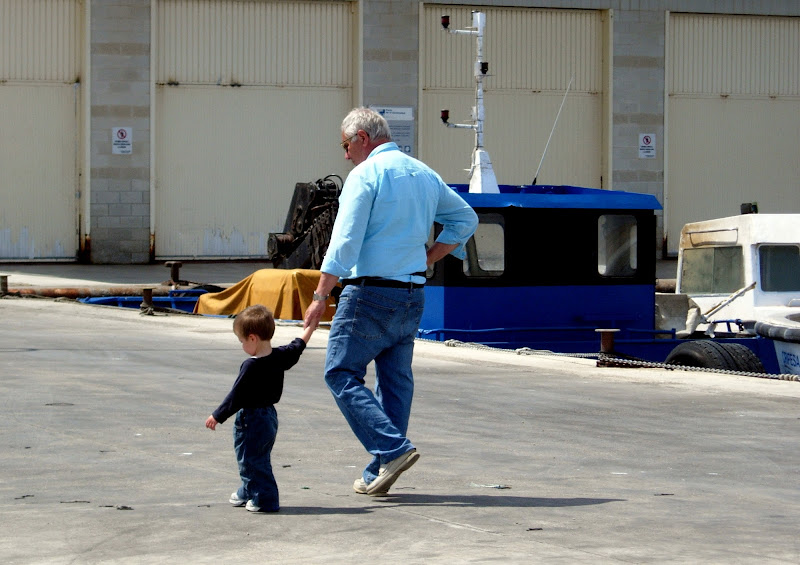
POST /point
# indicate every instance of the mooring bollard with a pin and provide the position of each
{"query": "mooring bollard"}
(606, 345)
(147, 299)
(607, 339)
(174, 272)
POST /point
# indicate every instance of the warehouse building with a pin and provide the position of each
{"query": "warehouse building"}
(141, 130)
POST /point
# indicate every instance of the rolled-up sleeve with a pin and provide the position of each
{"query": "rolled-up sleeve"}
(355, 204)
(459, 221)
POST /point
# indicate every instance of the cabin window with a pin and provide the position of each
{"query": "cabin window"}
(486, 248)
(780, 268)
(712, 270)
(616, 245)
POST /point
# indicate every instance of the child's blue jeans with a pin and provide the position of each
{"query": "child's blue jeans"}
(254, 432)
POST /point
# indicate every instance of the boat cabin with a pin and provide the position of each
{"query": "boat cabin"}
(758, 254)
(547, 266)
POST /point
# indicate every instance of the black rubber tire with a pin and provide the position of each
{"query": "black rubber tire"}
(703, 353)
(746, 360)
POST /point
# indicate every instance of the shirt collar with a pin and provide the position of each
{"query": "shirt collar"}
(388, 146)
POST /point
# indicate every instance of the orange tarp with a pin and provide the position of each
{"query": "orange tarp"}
(286, 292)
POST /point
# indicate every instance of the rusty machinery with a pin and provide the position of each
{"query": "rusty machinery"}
(309, 223)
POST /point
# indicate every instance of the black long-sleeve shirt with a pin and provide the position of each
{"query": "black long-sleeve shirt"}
(260, 380)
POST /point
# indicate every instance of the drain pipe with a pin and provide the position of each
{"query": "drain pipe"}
(84, 292)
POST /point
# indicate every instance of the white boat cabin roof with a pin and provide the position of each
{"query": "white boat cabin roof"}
(743, 230)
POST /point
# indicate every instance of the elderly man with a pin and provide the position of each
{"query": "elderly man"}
(378, 248)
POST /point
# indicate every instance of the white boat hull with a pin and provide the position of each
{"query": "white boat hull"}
(784, 331)
(788, 357)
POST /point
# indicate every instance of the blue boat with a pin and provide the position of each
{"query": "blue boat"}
(566, 269)
(550, 266)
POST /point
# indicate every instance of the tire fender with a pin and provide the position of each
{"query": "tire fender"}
(715, 355)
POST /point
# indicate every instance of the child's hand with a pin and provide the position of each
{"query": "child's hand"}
(307, 331)
(211, 423)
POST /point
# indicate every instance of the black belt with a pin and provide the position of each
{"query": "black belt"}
(377, 281)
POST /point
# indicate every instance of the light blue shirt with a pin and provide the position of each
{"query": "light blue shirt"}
(387, 208)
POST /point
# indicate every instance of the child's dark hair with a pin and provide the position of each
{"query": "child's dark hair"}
(256, 319)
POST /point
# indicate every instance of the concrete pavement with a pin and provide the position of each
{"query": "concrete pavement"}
(525, 459)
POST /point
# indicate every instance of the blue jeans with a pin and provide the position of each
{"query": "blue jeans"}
(375, 324)
(254, 432)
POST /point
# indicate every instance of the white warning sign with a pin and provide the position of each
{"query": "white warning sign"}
(647, 146)
(121, 141)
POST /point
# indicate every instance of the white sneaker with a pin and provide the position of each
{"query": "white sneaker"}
(236, 501)
(253, 508)
(360, 486)
(391, 471)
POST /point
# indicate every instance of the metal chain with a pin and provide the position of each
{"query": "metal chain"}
(649, 364)
(605, 358)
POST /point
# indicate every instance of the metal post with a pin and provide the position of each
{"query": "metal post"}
(481, 174)
(147, 298)
(607, 340)
(174, 272)
(478, 22)
(606, 345)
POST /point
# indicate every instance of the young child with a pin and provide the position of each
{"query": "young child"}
(253, 396)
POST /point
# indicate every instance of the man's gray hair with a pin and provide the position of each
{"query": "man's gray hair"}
(368, 120)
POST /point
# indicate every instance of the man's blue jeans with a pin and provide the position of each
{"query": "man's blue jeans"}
(380, 324)
(254, 432)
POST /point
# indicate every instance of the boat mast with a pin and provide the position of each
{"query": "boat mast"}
(481, 174)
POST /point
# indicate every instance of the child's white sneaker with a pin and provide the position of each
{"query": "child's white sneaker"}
(236, 501)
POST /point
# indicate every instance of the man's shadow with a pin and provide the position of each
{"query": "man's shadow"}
(454, 501)
(489, 501)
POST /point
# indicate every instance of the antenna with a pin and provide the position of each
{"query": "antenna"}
(481, 174)
(546, 145)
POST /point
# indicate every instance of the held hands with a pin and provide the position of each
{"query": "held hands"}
(316, 309)
(211, 423)
(307, 331)
(314, 314)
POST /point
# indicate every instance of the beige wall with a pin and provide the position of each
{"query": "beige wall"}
(40, 143)
(228, 160)
(386, 48)
(532, 54)
(733, 117)
(260, 86)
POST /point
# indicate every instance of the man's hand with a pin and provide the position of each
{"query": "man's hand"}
(314, 313)
(439, 251)
(317, 307)
(211, 423)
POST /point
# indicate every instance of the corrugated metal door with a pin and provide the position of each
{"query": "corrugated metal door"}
(40, 68)
(532, 55)
(249, 99)
(733, 117)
